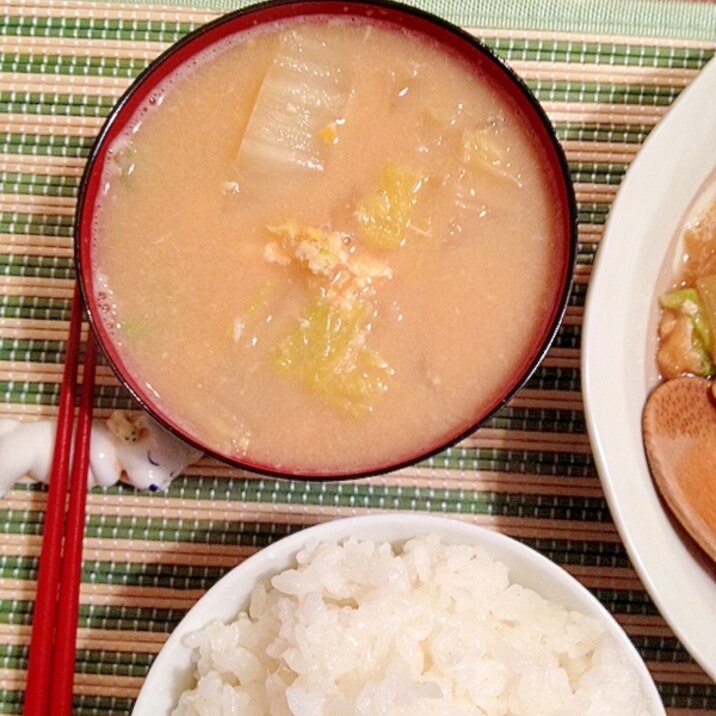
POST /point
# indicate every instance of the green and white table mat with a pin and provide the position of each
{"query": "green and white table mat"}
(605, 71)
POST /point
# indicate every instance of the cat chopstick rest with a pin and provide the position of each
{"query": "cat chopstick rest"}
(129, 446)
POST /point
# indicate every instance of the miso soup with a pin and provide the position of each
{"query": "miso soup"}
(327, 246)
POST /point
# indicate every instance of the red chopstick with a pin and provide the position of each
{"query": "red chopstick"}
(65, 651)
(50, 669)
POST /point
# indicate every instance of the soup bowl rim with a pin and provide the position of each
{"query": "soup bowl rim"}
(397, 13)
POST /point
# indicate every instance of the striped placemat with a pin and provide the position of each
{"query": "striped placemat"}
(529, 473)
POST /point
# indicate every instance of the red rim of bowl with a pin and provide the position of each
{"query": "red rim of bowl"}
(386, 11)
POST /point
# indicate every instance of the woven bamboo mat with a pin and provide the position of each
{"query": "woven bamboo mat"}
(529, 473)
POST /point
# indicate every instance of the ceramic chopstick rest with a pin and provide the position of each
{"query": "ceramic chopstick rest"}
(129, 446)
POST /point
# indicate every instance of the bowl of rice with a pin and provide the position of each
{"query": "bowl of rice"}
(398, 614)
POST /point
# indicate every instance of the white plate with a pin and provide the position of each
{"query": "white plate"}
(171, 672)
(676, 163)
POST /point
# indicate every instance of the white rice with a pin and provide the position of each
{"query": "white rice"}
(360, 630)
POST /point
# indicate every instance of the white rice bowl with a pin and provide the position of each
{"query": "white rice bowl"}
(402, 615)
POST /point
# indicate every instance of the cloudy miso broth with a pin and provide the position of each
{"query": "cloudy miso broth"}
(327, 247)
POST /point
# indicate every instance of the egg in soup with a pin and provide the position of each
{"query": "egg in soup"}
(326, 246)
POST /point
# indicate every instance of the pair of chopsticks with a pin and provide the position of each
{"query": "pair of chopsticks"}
(53, 643)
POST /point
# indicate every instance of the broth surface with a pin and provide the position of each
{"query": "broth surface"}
(351, 194)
